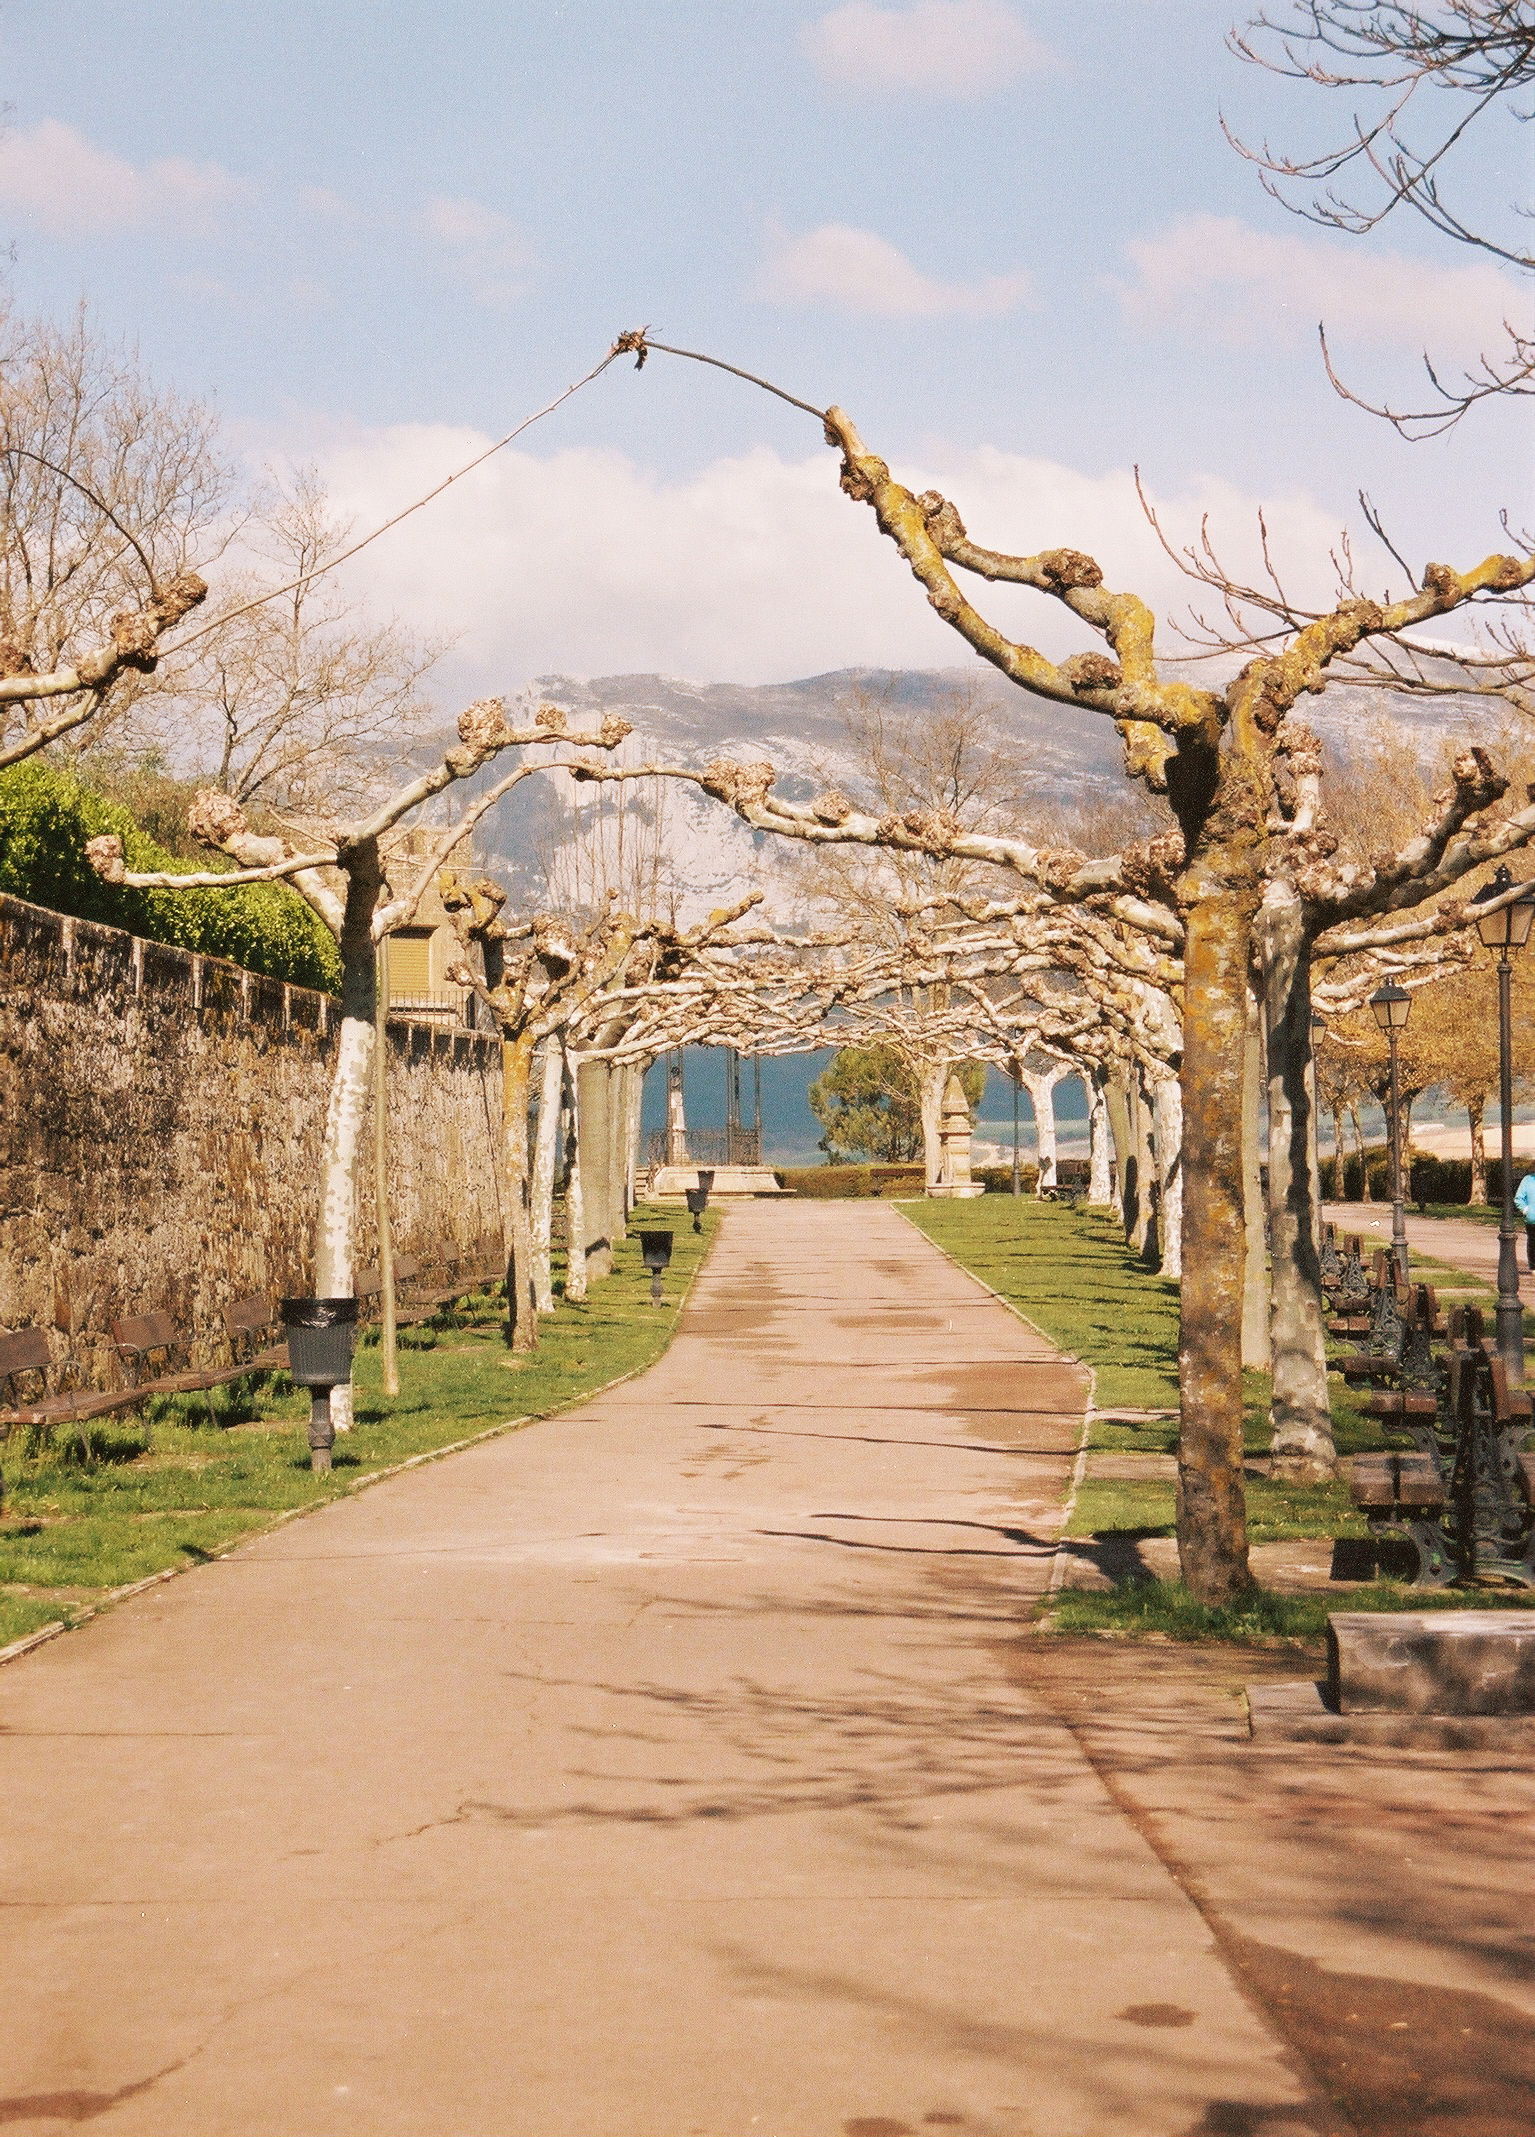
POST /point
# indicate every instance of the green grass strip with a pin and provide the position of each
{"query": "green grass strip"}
(134, 1497)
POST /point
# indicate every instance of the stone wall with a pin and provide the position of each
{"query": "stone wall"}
(160, 1124)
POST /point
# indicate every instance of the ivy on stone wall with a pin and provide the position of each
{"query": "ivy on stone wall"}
(46, 815)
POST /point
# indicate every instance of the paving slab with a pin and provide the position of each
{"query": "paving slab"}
(654, 1771)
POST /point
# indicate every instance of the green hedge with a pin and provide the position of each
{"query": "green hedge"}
(840, 1183)
(1429, 1178)
(46, 816)
(998, 1179)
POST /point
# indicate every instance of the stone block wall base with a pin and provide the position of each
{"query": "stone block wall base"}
(960, 1191)
(1299, 1714)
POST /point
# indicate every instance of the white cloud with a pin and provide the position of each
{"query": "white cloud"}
(754, 569)
(1214, 276)
(959, 48)
(483, 247)
(856, 271)
(54, 178)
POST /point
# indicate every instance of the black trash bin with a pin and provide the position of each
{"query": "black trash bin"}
(320, 1333)
(656, 1249)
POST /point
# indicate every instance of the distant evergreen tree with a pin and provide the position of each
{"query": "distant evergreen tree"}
(867, 1104)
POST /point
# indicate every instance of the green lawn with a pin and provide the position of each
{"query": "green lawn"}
(1070, 1273)
(134, 1496)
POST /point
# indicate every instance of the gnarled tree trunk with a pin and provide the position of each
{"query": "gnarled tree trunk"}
(516, 1080)
(1476, 1109)
(932, 1080)
(575, 1187)
(1212, 1514)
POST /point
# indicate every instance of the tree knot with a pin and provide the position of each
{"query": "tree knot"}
(105, 855)
(943, 521)
(1092, 671)
(1064, 569)
(1477, 779)
(743, 786)
(214, 817)
(832, 807)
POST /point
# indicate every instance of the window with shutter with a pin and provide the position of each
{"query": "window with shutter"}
(410, 963)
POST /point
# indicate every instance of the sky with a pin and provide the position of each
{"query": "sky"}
(1009, 236)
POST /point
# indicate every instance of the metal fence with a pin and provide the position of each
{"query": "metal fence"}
(706, 1146)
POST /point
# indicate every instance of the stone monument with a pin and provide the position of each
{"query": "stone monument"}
(954, 1138)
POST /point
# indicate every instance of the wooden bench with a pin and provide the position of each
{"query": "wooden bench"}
(1402, 1497)
(32, 1383)
(248, 1322)
(1073, 1178)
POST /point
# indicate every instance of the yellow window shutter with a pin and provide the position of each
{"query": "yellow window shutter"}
(410, 962)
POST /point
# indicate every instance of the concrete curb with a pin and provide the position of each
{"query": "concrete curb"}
(114, 1596)
(1090, 1410)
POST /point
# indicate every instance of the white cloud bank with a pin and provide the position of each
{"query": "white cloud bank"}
(956, 48)
(52, 177)
(842, 269)
(1214, 276)
(754, 569)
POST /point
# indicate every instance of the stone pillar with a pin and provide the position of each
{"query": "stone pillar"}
(955, 1137)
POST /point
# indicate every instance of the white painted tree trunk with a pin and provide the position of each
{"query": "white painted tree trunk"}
(633, 1109)
(575, 1187)
(346, 1111)
(1167, 1113)
(932, 1079)
(1041, 1090)
(595, 1141)
(1100, 1174)
(549, 1079)
(1302, 1446)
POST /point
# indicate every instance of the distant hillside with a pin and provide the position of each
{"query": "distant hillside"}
(799, 728)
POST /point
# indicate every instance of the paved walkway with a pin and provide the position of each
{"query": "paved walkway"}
(1461, 1242)
(662, 1770)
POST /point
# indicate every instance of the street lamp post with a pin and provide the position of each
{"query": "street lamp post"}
(1391, 1005)
(1506, 928)
(1017, 1170)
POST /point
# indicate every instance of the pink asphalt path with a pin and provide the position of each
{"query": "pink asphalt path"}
(653, 1771)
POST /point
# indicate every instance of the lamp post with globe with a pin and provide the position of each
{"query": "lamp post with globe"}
(1503, 922)
(1391, 1006)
